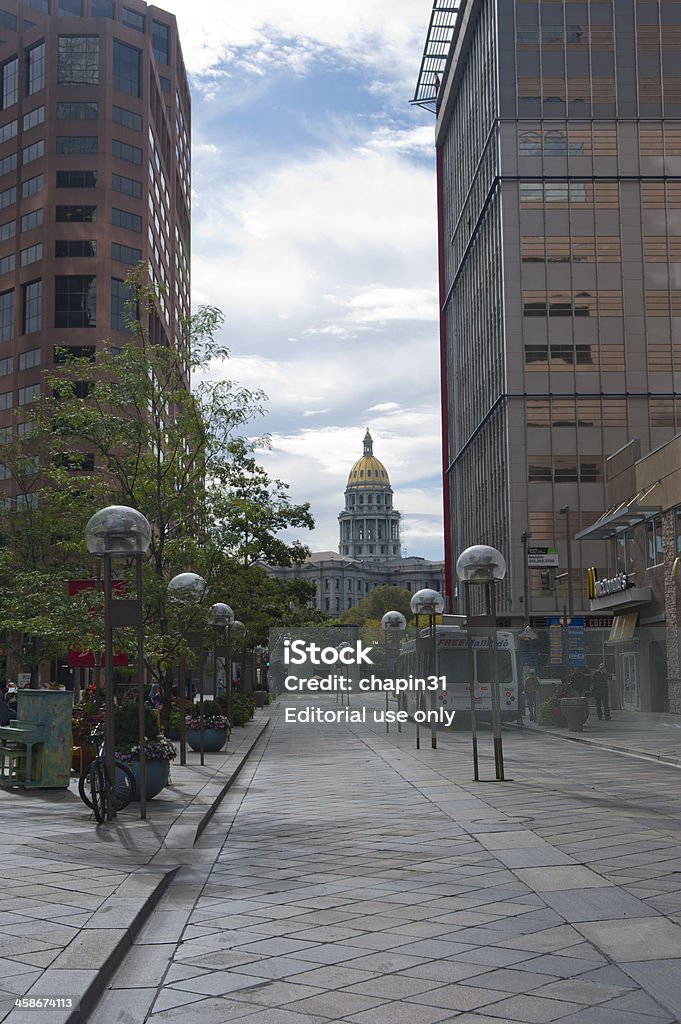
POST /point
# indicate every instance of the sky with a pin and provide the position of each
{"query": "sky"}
(314, 230)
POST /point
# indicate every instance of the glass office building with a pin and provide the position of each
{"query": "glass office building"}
(559, 178)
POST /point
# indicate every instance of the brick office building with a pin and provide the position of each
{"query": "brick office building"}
(94, 178)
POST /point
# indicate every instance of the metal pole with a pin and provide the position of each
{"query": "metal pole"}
(202, 726)
(182, 704)
(571, 597)
(140, 691)
(109, 696)
(385, 634)
(432, 642)
(417, 662)
(228, 680)
(98, 653)
(496, 708)
(526, 578)
(471, 678)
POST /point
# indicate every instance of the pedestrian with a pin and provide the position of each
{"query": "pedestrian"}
(530, 690)
(600, 689)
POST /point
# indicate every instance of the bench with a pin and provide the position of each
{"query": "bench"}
(21, 747)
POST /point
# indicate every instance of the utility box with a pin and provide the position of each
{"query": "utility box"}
(52, 709)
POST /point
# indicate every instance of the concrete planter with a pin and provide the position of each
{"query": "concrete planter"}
(156, 774)
(213, 739)
(575, 710)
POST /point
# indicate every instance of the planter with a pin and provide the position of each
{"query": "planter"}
(575, 711)
(213, 739)
(156, 776)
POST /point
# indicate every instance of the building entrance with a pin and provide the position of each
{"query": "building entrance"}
(629, 682)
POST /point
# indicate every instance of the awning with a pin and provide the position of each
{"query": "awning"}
(623, 627)
(621, 517)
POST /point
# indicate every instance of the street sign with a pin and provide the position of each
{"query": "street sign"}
(555, 642)
(566, 641)
(576, 651)
(542, 558)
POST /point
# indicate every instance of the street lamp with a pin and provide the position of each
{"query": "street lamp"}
(121, 532)
(482, 565)
(258, 652)
(392, 623)
(186, 591)
(431, 603)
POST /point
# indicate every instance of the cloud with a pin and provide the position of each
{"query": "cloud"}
(385, 37)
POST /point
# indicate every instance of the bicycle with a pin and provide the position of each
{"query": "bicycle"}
(96, 780)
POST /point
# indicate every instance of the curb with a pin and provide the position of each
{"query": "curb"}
(230, 781)
(649, 755)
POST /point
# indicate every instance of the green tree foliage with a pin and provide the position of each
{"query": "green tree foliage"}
(141, 438)
(377, 602)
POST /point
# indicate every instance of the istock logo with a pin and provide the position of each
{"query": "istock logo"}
(297, 652)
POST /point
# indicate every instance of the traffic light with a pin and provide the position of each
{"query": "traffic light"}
(546, 579)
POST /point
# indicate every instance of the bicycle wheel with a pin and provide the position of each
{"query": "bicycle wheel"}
(98, 790)
(123, 792)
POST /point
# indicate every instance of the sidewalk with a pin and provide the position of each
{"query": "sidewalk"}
(633, 732)
(75, 894)
(367, 882)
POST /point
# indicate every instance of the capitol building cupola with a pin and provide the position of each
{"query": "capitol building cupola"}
(369, 525)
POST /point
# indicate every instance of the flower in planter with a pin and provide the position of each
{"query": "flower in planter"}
(159, 749)
(212, 715)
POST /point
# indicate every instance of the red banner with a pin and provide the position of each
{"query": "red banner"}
(86, 659)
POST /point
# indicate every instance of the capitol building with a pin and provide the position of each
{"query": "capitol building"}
(369, 550)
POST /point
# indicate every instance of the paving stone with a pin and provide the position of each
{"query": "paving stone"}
(531, 1009)
(400, 1013)
(624, 940)
(459, 997)
(662, 980)
(597, 904)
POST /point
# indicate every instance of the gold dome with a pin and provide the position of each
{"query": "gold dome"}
(368, 471)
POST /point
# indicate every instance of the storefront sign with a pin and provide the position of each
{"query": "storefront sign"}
(603, 588)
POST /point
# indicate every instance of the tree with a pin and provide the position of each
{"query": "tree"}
(378, 601)
(141, 438)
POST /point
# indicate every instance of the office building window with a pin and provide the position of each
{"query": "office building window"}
(7, 197)
(29, 394)
(133, 154)
(32, 220)
(39, 5)
(121, 308)
(33, 152)
(32, 186)
(35, 69)
(76, 179)
(6, 315)
(9, 83)
(77, 144)
(6, 367)
(75, 301)
(75, 247)
(127, 186)
(127, 68)
(8, 20)
(103, 9)
(78, 60)
(133, 20)
(160, 41)
(123, 219)
(128, 118)
(8, 163)
(77, 111)
(33, 118)
(27, 360)
(125, 254)
(8, 230)
(76, 214)
(32, 295)
(165, 84)
(9, 131)
(71, 8)
(6, 400)
(31, 254)
(8, 264)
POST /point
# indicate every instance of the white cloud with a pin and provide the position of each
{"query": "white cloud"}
(384, 36)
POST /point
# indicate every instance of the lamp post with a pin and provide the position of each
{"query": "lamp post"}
(121, 532)
(186, 591)
(524, 537)
(258, 652)
(222, 618)
(392, 623)
(482, 565)
(431, 603)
